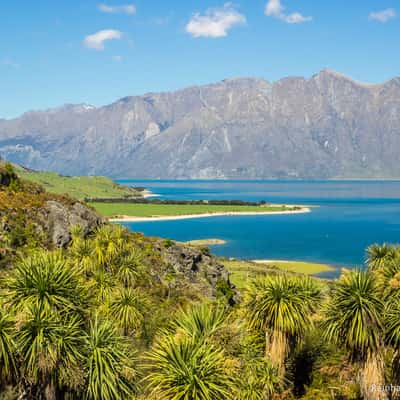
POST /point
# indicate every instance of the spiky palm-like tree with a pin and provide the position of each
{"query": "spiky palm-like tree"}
(126, 308)
(353, 318)
(7, 347)
(392, 322)
(50, 348)
(182, 368)
(109, 241)
(109, 370)
(101, 286)
(200, 321)
(392, 330)
(81, 252)
(45, 280)
(378, 255)
(281, 306)
(388, 278)
(77, 233)
(129, 268)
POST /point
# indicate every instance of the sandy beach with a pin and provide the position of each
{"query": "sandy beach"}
(147, 193)
(128, 218)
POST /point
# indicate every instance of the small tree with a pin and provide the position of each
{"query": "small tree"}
(182, 368)
(281, 307)
(353, 319)
(110, 370)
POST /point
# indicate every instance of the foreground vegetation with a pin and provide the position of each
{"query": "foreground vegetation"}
(151, 210)
(91, 322)
(79, 187)
(108, 317)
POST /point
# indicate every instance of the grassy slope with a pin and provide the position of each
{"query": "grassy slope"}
(148, 210)
(243, 271)
(80, 186)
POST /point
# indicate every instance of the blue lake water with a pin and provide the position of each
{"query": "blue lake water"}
(350, 216)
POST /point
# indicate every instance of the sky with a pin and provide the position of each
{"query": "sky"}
(94, 52)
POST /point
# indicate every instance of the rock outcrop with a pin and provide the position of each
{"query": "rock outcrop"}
(193, 262)
(196, 268)
(61, 217)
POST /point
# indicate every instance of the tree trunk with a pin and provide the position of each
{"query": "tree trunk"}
(276, 349)
(372, 379)
(50, 392)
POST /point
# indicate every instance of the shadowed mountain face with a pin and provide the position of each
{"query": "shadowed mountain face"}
(328, 126)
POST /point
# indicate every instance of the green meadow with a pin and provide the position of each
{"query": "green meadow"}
(242, 272)
(152, 210)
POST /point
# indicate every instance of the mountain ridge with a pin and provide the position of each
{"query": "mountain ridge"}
(232, 79)
(328, 126)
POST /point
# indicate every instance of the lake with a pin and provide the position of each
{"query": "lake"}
(349, 216)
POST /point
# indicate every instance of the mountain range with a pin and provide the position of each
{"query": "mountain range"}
(326, 127)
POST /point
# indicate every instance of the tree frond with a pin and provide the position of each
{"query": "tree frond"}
(182, 368)
(353, 315)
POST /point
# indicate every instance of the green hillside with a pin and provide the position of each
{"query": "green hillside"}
(79, 187)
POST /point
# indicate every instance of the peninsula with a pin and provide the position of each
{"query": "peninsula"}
(137, 212)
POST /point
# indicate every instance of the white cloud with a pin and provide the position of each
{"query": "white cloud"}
(297, 18)
(117, 59)
(215, 22)
(274, 8)
(124, 9)
(383, 15)
(97, 40)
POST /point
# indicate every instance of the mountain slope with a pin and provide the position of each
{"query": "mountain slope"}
(328, 126)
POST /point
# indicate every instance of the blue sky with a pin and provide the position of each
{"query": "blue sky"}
(70, 51)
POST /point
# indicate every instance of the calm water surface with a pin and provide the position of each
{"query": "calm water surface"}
(349, 216)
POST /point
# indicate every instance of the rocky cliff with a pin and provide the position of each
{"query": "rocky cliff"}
(328, 126)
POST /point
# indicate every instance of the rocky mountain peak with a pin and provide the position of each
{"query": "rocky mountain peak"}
(328, 126)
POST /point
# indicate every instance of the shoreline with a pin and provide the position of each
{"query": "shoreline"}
(147, 193)
(128, 218)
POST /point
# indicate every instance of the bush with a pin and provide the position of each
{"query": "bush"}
(168, 243)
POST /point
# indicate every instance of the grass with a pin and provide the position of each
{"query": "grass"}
(241, 272)
(301, 267)
(151, 210)
(79, 187)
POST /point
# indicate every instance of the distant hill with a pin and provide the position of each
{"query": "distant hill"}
(79, 187)
(328, 126)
